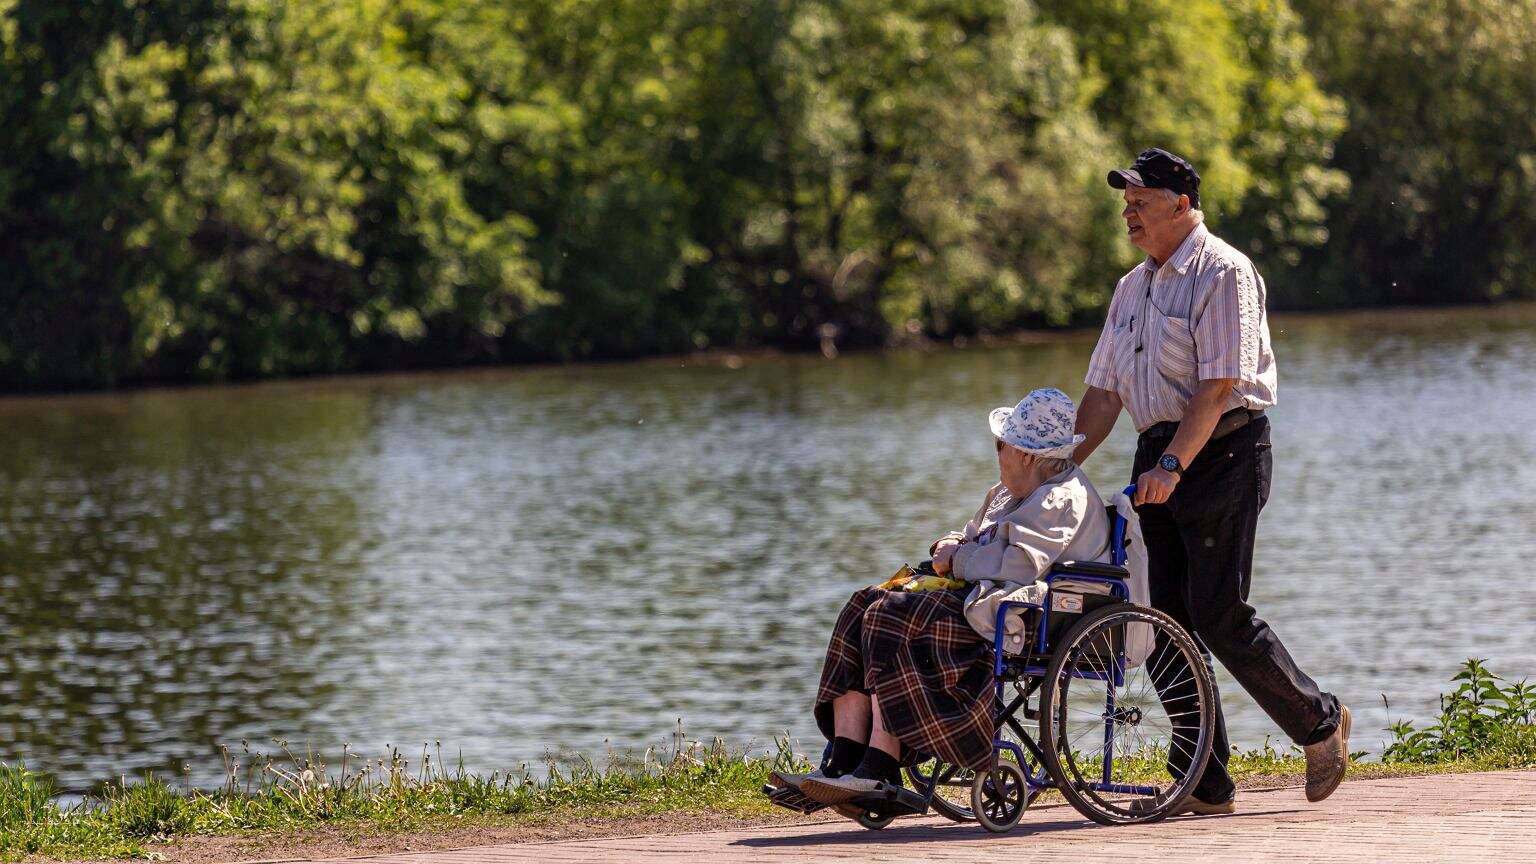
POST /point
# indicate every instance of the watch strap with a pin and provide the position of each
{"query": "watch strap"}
(1178, 467)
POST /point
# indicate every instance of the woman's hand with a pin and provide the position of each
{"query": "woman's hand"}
(943, 551)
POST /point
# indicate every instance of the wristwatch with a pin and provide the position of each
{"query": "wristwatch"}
(1170, 463)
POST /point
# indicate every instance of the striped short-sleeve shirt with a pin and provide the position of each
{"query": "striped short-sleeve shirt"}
(1199, 316)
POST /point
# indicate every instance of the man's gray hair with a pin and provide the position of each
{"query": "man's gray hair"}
(1172, 196)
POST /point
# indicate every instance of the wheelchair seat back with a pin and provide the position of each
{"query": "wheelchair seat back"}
(1079, 587)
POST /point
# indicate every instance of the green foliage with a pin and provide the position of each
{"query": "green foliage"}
(31, 824)
(1484, 718)
(1172, 74)
(1441, 146)
(1226, 84)
(26, 797)
(233, 189)
(944, 153)
(226, 189)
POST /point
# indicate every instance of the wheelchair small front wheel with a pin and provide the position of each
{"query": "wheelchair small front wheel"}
(874, 820)
(999, 796)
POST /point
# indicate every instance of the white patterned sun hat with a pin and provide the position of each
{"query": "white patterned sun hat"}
(1040, 425)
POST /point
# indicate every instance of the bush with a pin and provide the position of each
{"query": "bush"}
(1484, 718)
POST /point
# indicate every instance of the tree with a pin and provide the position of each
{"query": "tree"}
(932, 160)
(71, 306)
(216, 189)
(1226, 84)
(244, 188)
(1441, 149)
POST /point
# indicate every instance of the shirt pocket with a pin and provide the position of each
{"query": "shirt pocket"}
(1176, 349)
(1123, 360)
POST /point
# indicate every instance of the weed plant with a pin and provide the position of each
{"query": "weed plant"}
(1485, 718)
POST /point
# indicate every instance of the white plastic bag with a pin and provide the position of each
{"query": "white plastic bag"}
(1139, 638)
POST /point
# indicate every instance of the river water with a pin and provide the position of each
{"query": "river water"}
(518, 561)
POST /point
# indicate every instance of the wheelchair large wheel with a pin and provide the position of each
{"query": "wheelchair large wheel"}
(1119, 751)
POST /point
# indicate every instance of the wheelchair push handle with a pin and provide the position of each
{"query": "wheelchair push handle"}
(1117, 554)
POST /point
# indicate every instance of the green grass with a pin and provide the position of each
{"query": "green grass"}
(1485, 724)
(288, 792)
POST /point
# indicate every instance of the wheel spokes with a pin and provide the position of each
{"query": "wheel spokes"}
(1115, 735)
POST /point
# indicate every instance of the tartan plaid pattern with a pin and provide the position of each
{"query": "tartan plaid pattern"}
(929, 669)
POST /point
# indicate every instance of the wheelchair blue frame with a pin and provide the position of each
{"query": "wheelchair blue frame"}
(1028, 677)
(1038, 778)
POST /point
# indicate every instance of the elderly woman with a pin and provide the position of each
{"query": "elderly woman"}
(905, 673)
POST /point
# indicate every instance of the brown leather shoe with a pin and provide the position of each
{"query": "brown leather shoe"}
(1328, 760)
(1190, 806)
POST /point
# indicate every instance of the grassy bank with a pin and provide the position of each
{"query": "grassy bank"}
(276, 805)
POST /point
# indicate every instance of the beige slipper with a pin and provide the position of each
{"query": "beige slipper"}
(838, 790)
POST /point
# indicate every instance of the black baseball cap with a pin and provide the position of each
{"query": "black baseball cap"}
(1156, 168)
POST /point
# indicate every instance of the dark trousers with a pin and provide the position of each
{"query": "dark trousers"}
(1200, 563)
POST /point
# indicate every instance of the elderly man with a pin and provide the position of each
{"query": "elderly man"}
(1186, 352)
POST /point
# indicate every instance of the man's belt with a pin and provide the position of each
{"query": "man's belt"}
(1230, 422)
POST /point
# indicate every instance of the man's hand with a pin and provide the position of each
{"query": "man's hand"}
(942, 553)
(1155, 487)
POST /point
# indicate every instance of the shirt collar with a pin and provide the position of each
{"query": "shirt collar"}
(1183, 256)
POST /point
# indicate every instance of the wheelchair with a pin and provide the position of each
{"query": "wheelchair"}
(1124, 700)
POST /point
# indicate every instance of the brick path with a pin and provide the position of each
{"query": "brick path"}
(1484, 818)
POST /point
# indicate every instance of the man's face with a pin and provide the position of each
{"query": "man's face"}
(1151, 217)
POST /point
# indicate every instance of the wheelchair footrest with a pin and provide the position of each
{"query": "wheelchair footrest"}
(791, 798)
(893, 801)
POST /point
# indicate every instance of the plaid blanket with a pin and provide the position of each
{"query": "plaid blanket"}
(930, 671)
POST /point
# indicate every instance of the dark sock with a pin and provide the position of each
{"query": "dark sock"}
(846, 755)
(878, 765)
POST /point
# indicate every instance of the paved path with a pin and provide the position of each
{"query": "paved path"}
(1482, 818)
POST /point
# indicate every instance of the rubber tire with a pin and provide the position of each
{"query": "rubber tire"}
(1053, 765)
(872, 822)
(1010, 817)
(940, 805)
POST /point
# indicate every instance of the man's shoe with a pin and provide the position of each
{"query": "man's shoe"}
(1189, 806)
(1327, 760)
(838, 790)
